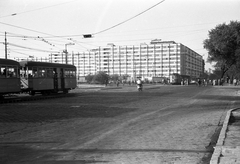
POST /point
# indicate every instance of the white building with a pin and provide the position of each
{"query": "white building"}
(157, 59)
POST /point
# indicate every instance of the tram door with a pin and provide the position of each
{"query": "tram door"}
(55, 79)
(62, 79)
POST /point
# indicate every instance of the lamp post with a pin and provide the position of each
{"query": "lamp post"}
(66, 52)
(5, 43)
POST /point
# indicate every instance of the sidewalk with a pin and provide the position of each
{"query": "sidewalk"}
(227, 150)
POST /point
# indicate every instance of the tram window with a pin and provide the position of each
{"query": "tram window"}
(41, 72)
(44, 73)
(66, 73)
(49, 72)
(3, 71)
(35, 72)
(70, 73)
(10, 72)
(74, 73)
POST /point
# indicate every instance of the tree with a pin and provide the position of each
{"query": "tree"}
(89, 78)
(101, 77)
(114, 77)
(124, 77)
(216, 74)
(233, 72)
(223, 46)
(204, 75)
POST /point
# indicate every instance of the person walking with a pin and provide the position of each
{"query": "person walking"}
(139, 84)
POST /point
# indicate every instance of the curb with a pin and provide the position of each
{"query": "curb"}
(219, 146)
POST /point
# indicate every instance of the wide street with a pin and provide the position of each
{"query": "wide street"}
(161, 124)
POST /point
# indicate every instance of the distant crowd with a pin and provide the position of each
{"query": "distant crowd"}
(215, 82)
(198, 82)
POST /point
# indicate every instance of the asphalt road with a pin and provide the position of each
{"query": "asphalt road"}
(162, 124)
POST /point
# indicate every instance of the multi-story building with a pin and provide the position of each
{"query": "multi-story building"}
(157, 59)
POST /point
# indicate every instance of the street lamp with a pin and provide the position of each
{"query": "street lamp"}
(65, 51)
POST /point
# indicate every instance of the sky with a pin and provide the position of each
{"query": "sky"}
(40, 27)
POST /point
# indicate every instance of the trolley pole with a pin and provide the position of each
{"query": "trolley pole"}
(5, 45)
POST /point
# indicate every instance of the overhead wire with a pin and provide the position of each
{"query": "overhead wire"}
(26, 29)
(41, 38)
(25, 37)
(35, 38)
(35, 49)
(77, 42)
(19, 52)
(117, 33)
(129, 18)
(69, 39)
(13, 14)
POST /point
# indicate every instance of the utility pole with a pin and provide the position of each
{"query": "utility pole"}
(5, 45)
(66, 52)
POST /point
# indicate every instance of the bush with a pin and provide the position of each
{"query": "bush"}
(89, 78)
(101, 77)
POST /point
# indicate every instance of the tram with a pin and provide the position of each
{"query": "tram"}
(177, 79)
(46, 78)
(9, 77)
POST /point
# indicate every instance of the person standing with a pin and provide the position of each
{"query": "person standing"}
(139, 84)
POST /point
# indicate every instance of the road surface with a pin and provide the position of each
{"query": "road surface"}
(162, 124)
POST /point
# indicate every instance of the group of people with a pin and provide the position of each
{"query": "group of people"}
(202, 82)
(199, 82)
(215, 82)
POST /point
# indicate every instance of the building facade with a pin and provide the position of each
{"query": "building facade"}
(157, 59)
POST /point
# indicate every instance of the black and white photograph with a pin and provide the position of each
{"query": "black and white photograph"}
(119, 82)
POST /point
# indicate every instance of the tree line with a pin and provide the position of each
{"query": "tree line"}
(103, 78)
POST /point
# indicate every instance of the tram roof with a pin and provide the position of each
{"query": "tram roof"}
(45, 64)
(8, 62)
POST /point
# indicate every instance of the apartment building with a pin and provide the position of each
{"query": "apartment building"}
(156, 59)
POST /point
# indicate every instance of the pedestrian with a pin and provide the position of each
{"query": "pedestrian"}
(139, 84)
(106, 82)
(234, 82)
(221, 82)
(199, 82)
(204, 82)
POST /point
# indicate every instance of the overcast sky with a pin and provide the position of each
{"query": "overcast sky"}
(39, 27)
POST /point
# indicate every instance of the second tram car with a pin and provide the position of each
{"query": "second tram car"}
(177, 79)
(46, 78)
(9, 77)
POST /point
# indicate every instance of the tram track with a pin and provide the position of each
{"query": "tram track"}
(24, 98)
